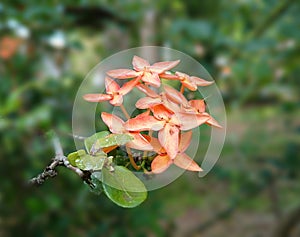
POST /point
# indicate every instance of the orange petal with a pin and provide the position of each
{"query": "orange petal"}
(189, 84)
(160, 163)
(212, 122)
(139, 142)
(200, 82)
(128, 86)
(170, 105)
(117, 100)
(144, 123)
(109, 149)
(161, 112)
(181, 75)
(139, 63)
(168, 138)
(161, 67)
(199, 105)
(97, 97)
(147, 102)
(169, 76)
(151, 79)
(156, 145)
(175, 96)
(185, 162)
(113, 122)
(189, 121)
(111, 85)
(122, 73)
(147, 90)
(184, 141)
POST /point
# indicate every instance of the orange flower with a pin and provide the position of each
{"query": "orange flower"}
(162, 161)
(168, 124)
(197, 107)
(116, 125)
(163, 121)
(114, 94)
(190, 82)
(8, 47)
(148, 73)
(155, 99)
(175, 96)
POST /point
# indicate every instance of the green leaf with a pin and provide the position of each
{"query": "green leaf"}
(97, 184)
(110, 140)
(88, 162)
(88, 142)
(123, 187)
(72, 157)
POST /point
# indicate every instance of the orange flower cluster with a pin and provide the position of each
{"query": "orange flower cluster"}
(8, 47)
(168, 113)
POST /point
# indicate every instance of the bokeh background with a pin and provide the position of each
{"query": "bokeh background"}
(250, 47)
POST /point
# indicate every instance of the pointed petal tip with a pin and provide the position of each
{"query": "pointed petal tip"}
(97, 97)
(185, 162)
(160, 164)
(122, 73)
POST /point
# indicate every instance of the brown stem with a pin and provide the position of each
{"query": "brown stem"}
(132, 162)
(124, 111)
(150, 135)
(58, 160)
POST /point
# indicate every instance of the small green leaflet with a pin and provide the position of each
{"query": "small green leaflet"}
(72, 157)
(110, 140)
(88, 142)
(87, 162)
(123, 187)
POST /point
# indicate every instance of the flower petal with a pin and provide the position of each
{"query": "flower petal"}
(144, 123)
(117, 100)
(97, 97)
(161, 112)
(109, 149)
(161, 67)
(185, 162)
(170, 105)
(189, 121)
(157, 146)
(200, 82)
(175, 96)
(151, 79)
(199, 105)
(139, 142)
(169, 138)
(147, 102)
(113, 122)
(128, 86)
(189, 84)
(147, 90)
(111, 85)
(139, 63)
(184, 141)
(169, 76)
(212, 122)
(182, 76)
(122, 73)
(160, 163)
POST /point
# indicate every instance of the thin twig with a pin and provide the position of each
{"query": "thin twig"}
(58, 160)
(124, 111)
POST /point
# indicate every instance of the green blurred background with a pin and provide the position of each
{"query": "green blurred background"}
(250, 47)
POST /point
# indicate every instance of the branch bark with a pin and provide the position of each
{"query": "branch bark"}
(58, 160)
